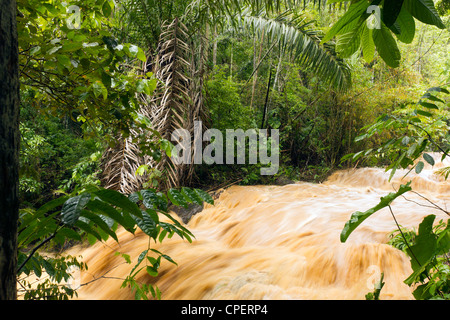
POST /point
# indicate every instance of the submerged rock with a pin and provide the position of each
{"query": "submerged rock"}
(283, 180)
(186, 213)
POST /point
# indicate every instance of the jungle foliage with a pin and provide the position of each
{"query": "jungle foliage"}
(104, 83)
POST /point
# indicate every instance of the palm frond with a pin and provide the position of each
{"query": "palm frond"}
(294, 36)
(119, 165)
(178, 100)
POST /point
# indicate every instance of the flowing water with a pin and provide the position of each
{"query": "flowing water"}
(280, 242)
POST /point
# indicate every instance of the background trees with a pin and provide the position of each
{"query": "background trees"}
(182, 62)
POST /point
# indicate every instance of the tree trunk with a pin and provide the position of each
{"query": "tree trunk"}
(215, 48)
(9, 146)
(277, 74)
(255, 76)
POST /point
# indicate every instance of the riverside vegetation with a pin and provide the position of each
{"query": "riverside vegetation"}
(103, 84)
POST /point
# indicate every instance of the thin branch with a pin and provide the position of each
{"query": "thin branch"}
(430, 138)
(404, 238)
(104, 276)
(262, 59)
(36, 249)
(434, 204)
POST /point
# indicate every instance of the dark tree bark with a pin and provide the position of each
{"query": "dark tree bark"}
(9, 148)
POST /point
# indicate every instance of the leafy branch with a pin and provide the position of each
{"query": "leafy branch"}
(95, 215)
(428, 249)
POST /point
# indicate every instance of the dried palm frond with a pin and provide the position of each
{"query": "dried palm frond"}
(177, 103)
(119, 165)
(198, 112)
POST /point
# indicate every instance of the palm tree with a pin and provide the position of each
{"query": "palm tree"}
(179, 63)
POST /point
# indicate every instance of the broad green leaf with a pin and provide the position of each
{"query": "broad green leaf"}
(162, 235)
(48, 267)
(131, 50)
(89, 44)
(36, 265)
(106, 209)
(164, 256)
(177, 198)
(148, 225)
(406, 162)
(391, 10)
(358, 217)
(85, 63)
(71, 46)
(428, 159)
(106, 9)
(142, 86)
(141, 258)
(53, 50)
(50, 206)
(206, 197)
(396, 164)
(35, 49)
(70, 234)
(176, 227)
(36, 228)
(89, 231)
(395, 28)
(117, 199)
(424, 113)
(141, 170)
(154, 200)
(424, 11)
(421, 293)
(192, 195)
(423, 250)
(407, 26)
(152, 271)
(99, 89)
(443, 240)
(386, 46)
(51, 9)
(135, 196)
(153, 215)
(429, 105)
(429, 96)
(438, 89)
(100, 223)
(141, 119)
(155, 262)
(64, 61)
(367, 44)
(158, 293)
(348, 43)
(72, 208)
(167, 146)
(141, 55)
(106, 80)
(354, 12)
(419, 167)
